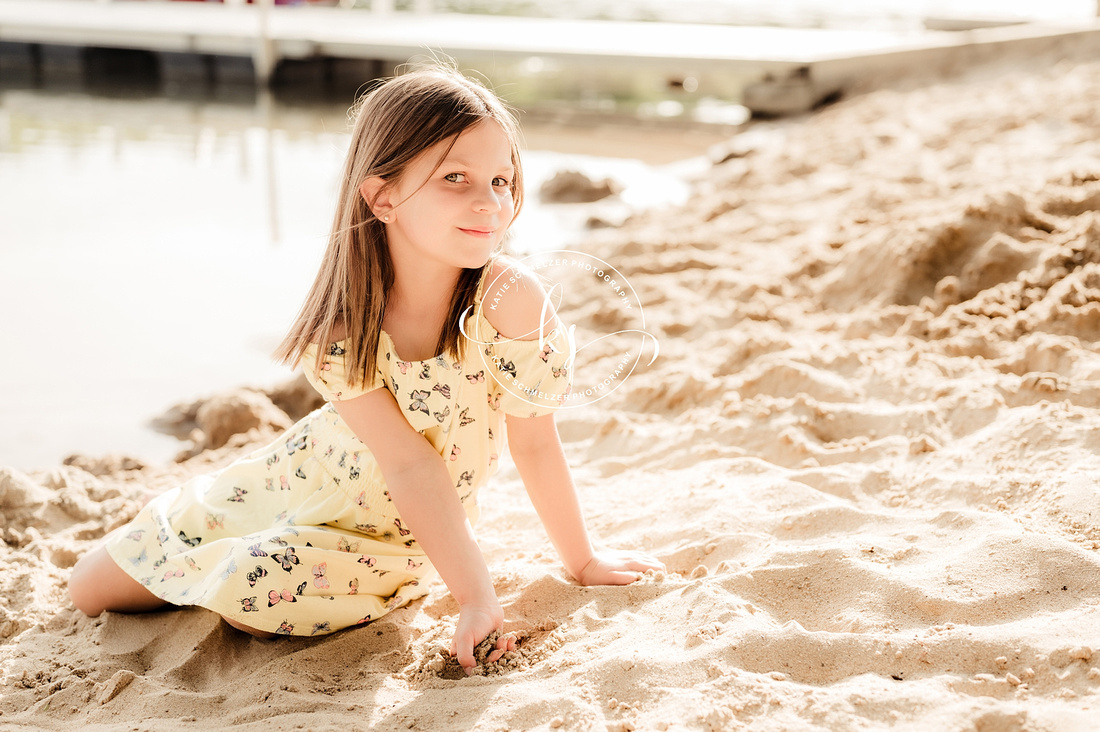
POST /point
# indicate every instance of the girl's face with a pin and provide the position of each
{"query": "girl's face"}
(454, 211)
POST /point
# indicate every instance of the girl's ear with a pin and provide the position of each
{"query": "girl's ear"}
(376, 194)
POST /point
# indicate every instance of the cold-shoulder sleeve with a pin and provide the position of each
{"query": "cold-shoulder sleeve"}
(530, 378)
(331, 383)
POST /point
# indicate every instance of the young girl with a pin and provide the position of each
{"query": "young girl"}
(342, 519)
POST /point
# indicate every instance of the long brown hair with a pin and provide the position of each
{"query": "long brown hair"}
(394, 123)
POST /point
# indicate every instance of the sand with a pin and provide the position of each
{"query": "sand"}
(868, 454)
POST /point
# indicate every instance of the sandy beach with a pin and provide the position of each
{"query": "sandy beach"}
(867, 453)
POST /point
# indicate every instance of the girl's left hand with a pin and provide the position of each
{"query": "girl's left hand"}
(617, 567)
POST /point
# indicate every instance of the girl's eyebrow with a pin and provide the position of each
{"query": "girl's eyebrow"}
(449, 160)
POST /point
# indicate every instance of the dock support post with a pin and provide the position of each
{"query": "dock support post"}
(264, 57)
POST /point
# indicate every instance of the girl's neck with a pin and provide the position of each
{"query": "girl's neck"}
(417, 305)
(421, 291)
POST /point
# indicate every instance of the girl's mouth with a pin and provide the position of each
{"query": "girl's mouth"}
(482, 233)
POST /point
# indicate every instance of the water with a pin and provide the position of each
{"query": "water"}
(154, 250)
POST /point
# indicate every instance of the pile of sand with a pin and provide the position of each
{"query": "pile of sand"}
(867, 454)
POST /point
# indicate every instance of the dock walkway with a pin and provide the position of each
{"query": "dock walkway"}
(802, 65)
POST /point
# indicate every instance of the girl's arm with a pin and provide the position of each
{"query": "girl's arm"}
(522, 313)
(422, 492)
(537, 452)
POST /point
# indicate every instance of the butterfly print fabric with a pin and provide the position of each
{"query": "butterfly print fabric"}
(300, 537)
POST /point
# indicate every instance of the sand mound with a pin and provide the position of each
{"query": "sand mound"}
(1005, 267)
(981, 246)
(867, 454)
(570, 186)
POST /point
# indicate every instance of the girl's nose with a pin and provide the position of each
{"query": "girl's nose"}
(485, 200)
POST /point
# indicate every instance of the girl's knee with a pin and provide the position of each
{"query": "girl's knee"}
(83, 586)
(98, 584)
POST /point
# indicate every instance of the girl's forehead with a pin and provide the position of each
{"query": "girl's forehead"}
(484, 142)
(486, 136)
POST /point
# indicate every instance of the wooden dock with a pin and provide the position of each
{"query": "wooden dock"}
(796, 66)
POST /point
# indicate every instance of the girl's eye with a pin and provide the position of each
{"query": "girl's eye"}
(455, 177)
(502, 182)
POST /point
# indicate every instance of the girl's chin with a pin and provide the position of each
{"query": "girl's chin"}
(474, 257)
(480, 259)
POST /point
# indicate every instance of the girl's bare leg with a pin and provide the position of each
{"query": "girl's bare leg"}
(99, 584)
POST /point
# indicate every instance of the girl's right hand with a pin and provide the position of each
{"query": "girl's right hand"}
(475, 623)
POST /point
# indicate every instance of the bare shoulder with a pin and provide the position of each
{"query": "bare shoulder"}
(515, 300)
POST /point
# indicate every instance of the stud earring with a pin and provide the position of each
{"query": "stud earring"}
(386, 219)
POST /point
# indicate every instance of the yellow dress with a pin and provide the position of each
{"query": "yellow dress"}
(300, 537)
